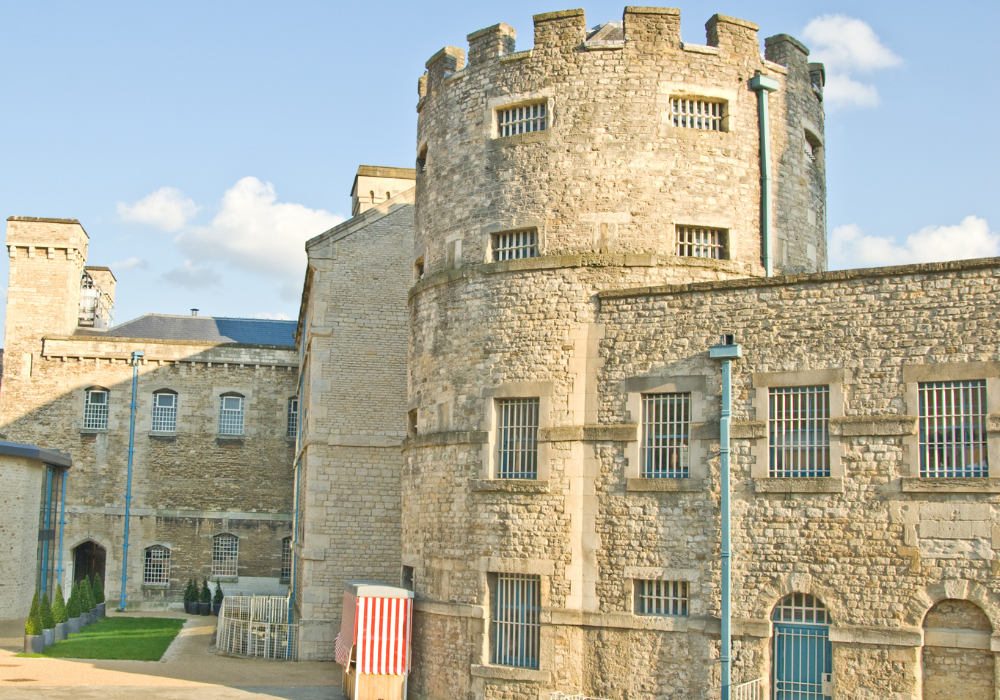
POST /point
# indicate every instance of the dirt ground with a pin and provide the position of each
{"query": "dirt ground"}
(188, 670)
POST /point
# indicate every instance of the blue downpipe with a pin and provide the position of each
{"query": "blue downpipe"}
(725, 654)
(62, 527)
(128, 481)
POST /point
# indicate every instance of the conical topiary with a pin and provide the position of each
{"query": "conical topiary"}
(59, 606)
(206, 592)
(219, 595)
(97, 588)
(34, 624)
(190, 596)
(86, 602)
(48, 619)
(73, 604)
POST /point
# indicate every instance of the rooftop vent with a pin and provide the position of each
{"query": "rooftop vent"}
(194, 312)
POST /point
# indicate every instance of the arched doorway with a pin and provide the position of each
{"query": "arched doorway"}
(956, 659)
(88, 559)
(801, 653)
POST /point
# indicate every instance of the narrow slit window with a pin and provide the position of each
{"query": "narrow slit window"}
(697, 114)
(799, 431)
(95, 410)
(512, 245)
(286, 559)
(517, 439)
(521, 119)
(666, 427)
(516, 627)
(656, 597)
(292, 423)
(164, 412)
(698, 242)
(953, 429)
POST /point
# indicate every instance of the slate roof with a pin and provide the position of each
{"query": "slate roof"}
(249, 331)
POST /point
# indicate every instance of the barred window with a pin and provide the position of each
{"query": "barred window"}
(156, 569)
(292, 427)
(225, 555)
(801, 607)
(661, 597)
(799, 431)
(517, 438)
(666, 426)
(953, 429)
(522, 119)
(95, 409)
(516, 629)
(164, 412)
(286, 559)
(231, 415)
(512, 245)
(697, 242)
(696, 114)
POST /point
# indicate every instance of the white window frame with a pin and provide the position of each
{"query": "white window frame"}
(156, 569)
(516, 390)
(95, 414)
(164, 418)
(225, 555)
(231, 421)
(707, 242)
(292, 418)
(698, 113)
(286, 560)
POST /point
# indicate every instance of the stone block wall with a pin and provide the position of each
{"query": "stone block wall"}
(20, 500)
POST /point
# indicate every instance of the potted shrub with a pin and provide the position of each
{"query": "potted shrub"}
(191, 598)
(205, 598)
(34, 642)
(73, 611)
(59, 613)
(217, 599)
(85, 603)
(48, 621)
(97, 587)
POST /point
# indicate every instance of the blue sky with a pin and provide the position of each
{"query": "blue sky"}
(256, 115)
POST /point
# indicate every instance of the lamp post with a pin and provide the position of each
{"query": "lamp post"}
(136, 355)
(727, 351)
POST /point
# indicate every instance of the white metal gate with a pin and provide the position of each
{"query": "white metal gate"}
(257, 626)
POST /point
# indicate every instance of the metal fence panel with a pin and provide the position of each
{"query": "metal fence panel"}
(252, 626)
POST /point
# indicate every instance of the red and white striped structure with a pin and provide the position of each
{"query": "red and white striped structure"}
(376, 625)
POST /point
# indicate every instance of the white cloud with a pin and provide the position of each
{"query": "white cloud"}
(191, 276)
(274, 317)
(255, 232)
(851, 247)
(167, 209)
(847, 46)
(129, 264)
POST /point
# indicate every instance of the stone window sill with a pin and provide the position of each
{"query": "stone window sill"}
(511, 673)
(971, 484)
(527, 137)
(229, 438)
(162, 435)
(155, 586)
(510, 485)
(92, 431)
(664, 485)
(224, 579)
(815, 484)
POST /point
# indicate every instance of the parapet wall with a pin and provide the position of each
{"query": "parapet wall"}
(610, 172)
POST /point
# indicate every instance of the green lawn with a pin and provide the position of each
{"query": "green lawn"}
(132, 638)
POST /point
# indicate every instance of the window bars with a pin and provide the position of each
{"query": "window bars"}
(515, 244)
(231, 415)
(801, 608)
(292, 427)
(95, 410)
(156, 569)
(255, 626)
(666, 427)
(661, 597)
(694, 242)
(517, 438)
(696, 114)
(516, 629)
(286, 559)
(799, 431)
(520, 120)
(225, 555)
(953, 429)
(164, 413)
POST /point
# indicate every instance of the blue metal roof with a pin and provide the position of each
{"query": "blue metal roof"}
(19, 449)
(250, 331)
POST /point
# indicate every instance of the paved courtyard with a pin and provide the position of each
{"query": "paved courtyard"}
(189, 669)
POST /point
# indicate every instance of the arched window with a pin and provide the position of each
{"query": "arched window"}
(164, 411)
(286, 560)
(802, 656)
(225, 555)
(292, 426)
(95, 408)
(231, 414)
(156, 569)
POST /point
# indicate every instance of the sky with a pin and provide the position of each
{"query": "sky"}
(201, 144)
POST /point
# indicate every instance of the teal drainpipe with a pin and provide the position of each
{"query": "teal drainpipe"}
(762, 85)
(727, 352)
(62, 526)
(128, 479)
(298, 470)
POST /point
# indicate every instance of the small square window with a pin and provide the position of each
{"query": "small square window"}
(512, 245)
(654, 597)
(697, 113)
(700, 242)
(521, 119)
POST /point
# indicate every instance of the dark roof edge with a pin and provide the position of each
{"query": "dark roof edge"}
(42, 219)
(813, 277)
(18, 449)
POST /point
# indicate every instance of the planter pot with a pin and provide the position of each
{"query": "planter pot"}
(204, 608)
(94, 617)
(84, 619)
(62, 629)
(190, 607)
(73, 625)
(101, 611)
(34, 644)
(216, 607)
(49, 636)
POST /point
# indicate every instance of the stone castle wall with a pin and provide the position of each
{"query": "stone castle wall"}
(20, 500)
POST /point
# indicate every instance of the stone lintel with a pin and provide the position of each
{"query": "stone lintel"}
(873, 426)
(879, 636)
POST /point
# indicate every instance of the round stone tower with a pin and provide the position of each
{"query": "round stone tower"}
(614, 157)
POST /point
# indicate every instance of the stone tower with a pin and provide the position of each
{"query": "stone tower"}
(616, 157)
